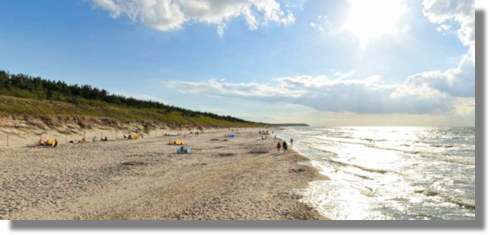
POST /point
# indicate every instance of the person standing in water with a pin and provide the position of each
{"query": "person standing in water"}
(291, 141)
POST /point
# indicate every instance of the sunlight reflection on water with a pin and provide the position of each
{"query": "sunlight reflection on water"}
(390, 172)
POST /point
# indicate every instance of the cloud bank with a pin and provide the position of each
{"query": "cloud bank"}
(168, 15)
(367, 96)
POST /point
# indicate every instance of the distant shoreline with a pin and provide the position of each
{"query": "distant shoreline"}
(290, 124)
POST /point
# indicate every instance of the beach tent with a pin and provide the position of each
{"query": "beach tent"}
(134, 136)
(177, 142)
(46, 143)
(184, 150)
(51, 142)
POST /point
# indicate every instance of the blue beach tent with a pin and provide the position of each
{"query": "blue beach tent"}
(184, 150)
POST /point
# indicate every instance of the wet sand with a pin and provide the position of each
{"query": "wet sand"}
(239, 178)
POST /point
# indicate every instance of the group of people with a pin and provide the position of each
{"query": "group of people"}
(78, 141)
(171, 134)
(284, 145)
(101, 139)
(266, 132)
(129, 137)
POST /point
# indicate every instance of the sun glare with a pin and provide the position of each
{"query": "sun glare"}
(372, 19)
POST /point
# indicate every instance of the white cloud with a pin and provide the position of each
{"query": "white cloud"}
(344, 75)
(108, 5)
(444, 28)
(213, 86)
(367, 95)
(167, 15)
(444, 12)
(464, 106)
(322, 24)
(457, 83)
(447, 11)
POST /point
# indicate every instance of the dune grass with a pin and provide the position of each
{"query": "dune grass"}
(93, 108)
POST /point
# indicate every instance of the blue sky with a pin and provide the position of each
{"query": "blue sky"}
(338, 62)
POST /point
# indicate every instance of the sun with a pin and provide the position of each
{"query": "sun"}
(372, 19)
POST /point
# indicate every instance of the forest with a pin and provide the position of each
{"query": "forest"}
(24, 86)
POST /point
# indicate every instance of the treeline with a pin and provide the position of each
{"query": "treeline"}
(24, 86)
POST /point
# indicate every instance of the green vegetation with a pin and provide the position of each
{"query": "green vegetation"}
(38, 97)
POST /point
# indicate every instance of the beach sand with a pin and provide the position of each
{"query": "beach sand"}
(239, 178)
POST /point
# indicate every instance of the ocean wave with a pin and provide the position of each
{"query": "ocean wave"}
(442, 146)
(460, 201)
(331, 153)
(436, 156)
(366, 191)
(380, 171)
(448, 158)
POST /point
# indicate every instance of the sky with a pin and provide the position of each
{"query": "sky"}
(325, 63)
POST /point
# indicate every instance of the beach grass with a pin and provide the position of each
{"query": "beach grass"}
(93, 108)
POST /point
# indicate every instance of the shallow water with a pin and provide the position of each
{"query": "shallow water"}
(398, 173)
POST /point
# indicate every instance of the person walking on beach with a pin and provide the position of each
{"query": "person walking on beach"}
(284, 146)
(278, 146)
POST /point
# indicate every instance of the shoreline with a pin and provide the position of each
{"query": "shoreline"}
(239, 178)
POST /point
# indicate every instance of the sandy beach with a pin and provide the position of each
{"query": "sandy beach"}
(240, 178)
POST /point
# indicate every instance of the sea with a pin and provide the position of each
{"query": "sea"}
(389, 173)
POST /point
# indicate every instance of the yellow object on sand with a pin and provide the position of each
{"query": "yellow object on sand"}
(51, 143)
(135, 137)
(178, 142)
